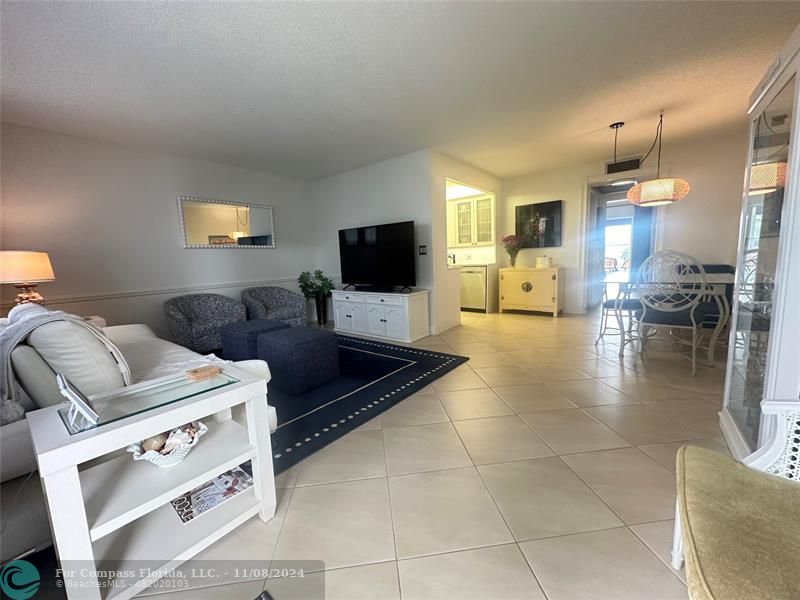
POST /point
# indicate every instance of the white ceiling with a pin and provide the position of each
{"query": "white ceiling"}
(309, 89)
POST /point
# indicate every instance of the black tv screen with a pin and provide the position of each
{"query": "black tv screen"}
(378, 255)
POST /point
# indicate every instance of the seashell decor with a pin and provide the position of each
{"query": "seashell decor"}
(169, 448)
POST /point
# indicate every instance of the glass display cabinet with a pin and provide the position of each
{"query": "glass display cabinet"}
(764, 346)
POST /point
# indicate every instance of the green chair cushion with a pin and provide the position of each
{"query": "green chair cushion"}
(741, 529)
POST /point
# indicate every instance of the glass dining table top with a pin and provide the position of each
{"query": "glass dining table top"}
(141, 398)
(711, 278)
(617, 277)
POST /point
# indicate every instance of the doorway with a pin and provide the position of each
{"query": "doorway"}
(471, 244)
(619, 237)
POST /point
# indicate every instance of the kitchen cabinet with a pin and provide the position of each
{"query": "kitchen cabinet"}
(471, 222)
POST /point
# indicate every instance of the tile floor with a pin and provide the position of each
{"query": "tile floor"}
(541, 469)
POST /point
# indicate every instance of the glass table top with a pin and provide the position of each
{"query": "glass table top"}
(142, 398)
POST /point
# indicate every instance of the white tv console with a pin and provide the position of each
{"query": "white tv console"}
(402, 317)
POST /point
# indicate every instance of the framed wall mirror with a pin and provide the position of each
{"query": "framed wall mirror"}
(220, 224)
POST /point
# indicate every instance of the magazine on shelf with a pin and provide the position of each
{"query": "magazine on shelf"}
(212, 493)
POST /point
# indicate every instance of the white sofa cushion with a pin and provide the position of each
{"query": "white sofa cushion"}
(23, 520)
(259, 368)
(16, 451)
(36, 378)
(73, 350)
(148, 356)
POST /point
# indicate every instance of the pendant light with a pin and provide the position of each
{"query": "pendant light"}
(619, 182)
(769, 175)
(658, 191)
(238, 224)
(766, 178)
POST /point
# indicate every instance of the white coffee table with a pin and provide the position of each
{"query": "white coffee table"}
(117, 512)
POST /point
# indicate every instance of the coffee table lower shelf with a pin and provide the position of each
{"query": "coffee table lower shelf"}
(161, 533)
(115, 516)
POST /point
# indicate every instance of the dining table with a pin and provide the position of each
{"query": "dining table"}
(714, 289)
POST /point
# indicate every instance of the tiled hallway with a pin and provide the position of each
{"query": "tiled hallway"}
(542, 468)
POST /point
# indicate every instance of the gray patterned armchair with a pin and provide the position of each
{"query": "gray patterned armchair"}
(195, 320)
(276, 303)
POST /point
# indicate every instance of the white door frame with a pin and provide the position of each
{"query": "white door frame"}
(641, 174)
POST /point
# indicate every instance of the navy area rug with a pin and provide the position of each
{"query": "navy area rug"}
(373, 376)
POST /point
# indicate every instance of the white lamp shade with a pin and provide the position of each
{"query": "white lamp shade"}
(19, 266)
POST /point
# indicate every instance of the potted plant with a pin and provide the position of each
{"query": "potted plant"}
(513, 244)
(318, 287)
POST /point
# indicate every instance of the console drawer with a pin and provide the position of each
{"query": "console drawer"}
(348, 296)
(385, 300)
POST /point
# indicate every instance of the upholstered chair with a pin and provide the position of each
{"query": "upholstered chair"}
(195, 320)
(738, 523)
(275, 303)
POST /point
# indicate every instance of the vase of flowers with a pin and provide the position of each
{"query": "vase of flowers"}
(513, 244)
(318, 287)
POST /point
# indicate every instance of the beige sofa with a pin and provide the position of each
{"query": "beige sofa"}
(23, 520)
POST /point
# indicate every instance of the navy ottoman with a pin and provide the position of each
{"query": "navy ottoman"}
(239, 339)
(300, 358)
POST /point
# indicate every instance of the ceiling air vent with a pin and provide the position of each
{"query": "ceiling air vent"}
(622, 165)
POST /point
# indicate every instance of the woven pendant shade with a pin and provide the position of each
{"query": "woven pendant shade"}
(658, 191)
(767, 177)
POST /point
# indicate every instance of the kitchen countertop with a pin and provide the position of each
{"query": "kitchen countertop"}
(454, 267)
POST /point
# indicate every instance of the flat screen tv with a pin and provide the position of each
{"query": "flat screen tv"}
(539, 224)
(379, 256)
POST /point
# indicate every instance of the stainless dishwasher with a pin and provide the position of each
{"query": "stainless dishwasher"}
(473, 288)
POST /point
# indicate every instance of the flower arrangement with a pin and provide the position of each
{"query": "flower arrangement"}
(513, 244)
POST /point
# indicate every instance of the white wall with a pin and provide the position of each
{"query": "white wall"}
(108, 217)
(409, 187)
(389, 191)
(704, 225)
(568, 185)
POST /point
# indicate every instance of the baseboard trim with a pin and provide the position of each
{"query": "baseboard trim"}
(733, 437)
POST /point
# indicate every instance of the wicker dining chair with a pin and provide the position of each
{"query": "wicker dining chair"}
(618, 308)
(672, 287)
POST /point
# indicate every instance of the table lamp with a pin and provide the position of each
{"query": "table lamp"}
(25, 270)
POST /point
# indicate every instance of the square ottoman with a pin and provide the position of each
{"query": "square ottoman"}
(239, 339)
(300, 358)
